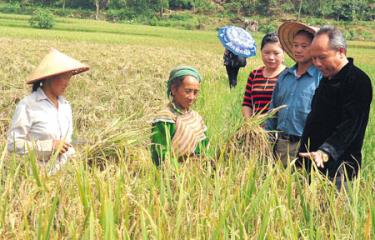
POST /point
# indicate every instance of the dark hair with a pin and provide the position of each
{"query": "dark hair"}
(335, 36)
(305, 33)
(36, 85)
(269, 38)
(176, 83)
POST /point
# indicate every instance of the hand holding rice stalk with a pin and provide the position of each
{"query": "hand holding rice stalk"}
(251, 139)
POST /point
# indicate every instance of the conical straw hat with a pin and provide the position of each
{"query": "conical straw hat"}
(287, 32)
(55, 63)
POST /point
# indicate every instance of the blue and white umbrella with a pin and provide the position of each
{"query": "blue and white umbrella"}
(237, 40)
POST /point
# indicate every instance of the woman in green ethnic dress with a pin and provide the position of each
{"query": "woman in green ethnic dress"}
(177, 130)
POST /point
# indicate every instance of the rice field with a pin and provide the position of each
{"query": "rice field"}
(122, 195)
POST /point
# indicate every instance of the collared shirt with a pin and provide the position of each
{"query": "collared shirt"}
(338, 119)
(36, 123)
(296, 93)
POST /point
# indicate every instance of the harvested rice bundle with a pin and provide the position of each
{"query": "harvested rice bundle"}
(119, 140)
(251, 139)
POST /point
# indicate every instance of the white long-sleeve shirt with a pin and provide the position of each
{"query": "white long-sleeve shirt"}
(36, 123)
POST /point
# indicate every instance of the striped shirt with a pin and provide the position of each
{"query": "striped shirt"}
(258, 92)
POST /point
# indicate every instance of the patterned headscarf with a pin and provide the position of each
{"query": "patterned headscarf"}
(181, 71)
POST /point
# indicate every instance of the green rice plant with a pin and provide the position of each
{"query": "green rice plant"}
(32, 156)
(106, 212)
(89, 232)
(52, 212)
(370, 230)
(84, 192)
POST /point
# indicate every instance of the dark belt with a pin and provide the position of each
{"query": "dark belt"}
(289, 137)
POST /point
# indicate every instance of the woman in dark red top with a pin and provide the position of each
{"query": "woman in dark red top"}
(262, 81)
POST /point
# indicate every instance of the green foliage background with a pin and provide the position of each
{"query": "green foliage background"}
(42, 18)
(347, 10)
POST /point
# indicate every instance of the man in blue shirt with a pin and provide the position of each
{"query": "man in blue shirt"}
(295, 88)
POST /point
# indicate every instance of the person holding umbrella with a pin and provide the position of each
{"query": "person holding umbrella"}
(238, 45)
(233, 63)
(42, 123)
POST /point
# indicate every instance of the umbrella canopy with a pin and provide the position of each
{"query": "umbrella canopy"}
(237, 40)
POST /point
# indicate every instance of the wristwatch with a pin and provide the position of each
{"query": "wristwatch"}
(324, 155)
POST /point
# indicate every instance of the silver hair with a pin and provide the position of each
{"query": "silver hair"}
(336, 37)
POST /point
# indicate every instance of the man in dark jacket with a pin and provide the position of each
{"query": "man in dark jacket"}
(335, 128)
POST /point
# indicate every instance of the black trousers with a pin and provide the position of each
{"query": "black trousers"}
(232, 75)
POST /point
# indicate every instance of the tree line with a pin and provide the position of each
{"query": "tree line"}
(347, 10)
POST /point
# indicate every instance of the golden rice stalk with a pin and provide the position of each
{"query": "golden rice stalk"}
(251, 140)
(119, 139)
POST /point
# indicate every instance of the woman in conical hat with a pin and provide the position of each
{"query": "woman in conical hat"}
(42, 123)
(177, 130)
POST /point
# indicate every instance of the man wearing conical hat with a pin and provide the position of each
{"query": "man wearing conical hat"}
(295, 88)
(42, 123)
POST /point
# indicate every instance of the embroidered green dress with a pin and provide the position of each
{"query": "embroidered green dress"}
(177, 134)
